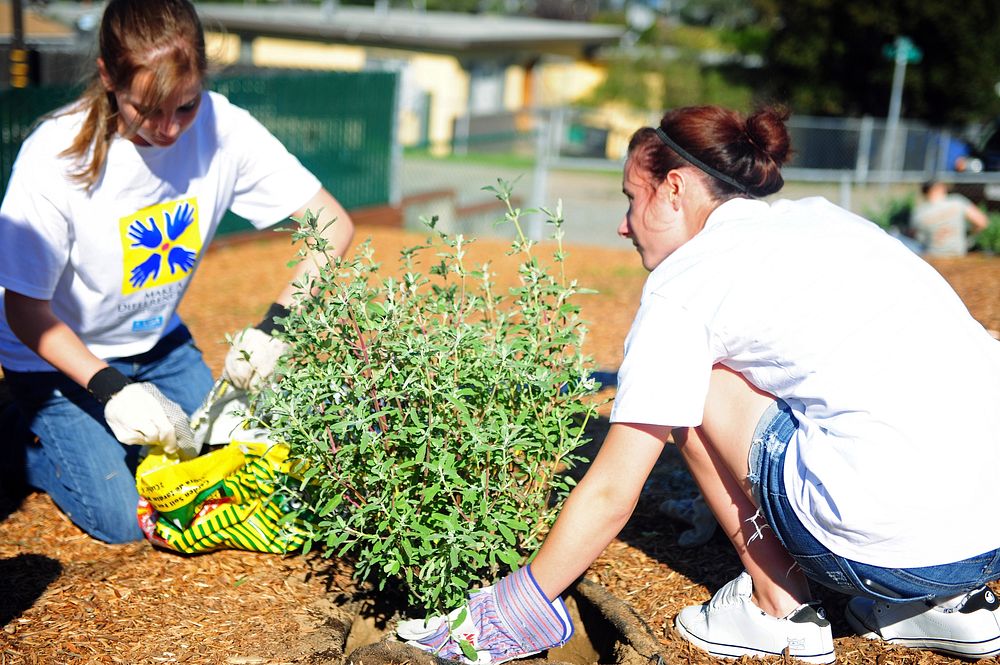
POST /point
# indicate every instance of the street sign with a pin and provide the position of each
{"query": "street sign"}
(903, 49)
(902, 52)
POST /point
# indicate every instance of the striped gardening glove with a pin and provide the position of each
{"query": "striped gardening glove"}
(512, 619)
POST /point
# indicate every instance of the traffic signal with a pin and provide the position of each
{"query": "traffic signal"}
(23, 67)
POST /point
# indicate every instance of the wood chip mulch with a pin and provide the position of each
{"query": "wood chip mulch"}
(66, 598)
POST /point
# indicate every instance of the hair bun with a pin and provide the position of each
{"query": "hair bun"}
(766, 133)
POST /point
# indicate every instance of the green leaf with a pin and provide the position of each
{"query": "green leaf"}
(331, 505)
(509, 557)
(508, 535)
(468, 650)
(457, 621)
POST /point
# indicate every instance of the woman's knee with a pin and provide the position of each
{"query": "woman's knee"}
(114, 524)
(105, 508)
(89, 475)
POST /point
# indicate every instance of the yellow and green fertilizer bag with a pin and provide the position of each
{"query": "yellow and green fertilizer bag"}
(223, 499)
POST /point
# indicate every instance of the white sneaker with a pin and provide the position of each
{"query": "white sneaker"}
(969, 628)
(731, 625)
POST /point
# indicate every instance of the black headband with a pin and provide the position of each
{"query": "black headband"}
(700, 164)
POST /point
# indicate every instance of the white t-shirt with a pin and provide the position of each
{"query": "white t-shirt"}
(895, 386)
(941, 227)
(115, 262)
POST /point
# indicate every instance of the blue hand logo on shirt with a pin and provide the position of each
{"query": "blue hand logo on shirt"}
(180, 221)
(180, 258)
(149, 238)
(168, 235)
(148, 268)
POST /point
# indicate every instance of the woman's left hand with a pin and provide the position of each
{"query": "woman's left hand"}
(252, 358)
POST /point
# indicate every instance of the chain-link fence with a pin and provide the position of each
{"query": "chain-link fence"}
(866, 149)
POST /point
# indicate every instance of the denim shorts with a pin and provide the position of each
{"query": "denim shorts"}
(767, 478)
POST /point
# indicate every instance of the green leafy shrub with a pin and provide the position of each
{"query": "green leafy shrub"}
(430, 415)
(988, 240)
(894, 213)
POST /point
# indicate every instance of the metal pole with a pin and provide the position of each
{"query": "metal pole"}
(895, 101)
(396, 162)
(17, 9)
(845, 191)
(864, 148)
(540, 175)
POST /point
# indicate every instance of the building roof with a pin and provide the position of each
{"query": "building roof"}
(439, 32)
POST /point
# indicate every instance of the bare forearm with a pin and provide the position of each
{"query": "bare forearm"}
(586, 525)
(599, 506)
(977, 218)
(34, 324)
(339, 234)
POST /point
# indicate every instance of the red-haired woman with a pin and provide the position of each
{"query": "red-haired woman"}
(833, 398)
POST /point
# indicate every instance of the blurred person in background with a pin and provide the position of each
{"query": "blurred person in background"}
(943, 223)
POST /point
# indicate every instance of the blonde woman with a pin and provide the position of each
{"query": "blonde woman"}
(110, 207)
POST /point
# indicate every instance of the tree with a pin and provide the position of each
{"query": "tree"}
(672, 64)
(826, 57)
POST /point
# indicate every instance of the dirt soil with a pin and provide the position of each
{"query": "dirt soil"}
(66, 598)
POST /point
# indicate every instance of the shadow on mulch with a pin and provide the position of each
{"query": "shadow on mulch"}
(26, 577)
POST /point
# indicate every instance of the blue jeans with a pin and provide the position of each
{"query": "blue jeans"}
(76, 459)
(899, 585)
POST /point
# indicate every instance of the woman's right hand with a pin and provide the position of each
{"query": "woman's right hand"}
(252, 358)
(512, 619)
(139, 414)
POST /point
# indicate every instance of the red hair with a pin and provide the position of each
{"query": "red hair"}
(749, 150)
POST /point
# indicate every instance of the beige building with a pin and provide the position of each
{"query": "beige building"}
(437, 90)
(451, 66)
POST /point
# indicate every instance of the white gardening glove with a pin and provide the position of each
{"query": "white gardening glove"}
(252, 358)
(139, 414)
(255, 353)
(695, 512)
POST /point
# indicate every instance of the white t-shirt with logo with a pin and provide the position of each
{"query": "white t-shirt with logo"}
(116, 261)
(895, 386)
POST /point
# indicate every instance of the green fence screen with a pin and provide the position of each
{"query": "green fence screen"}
(339, 125)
